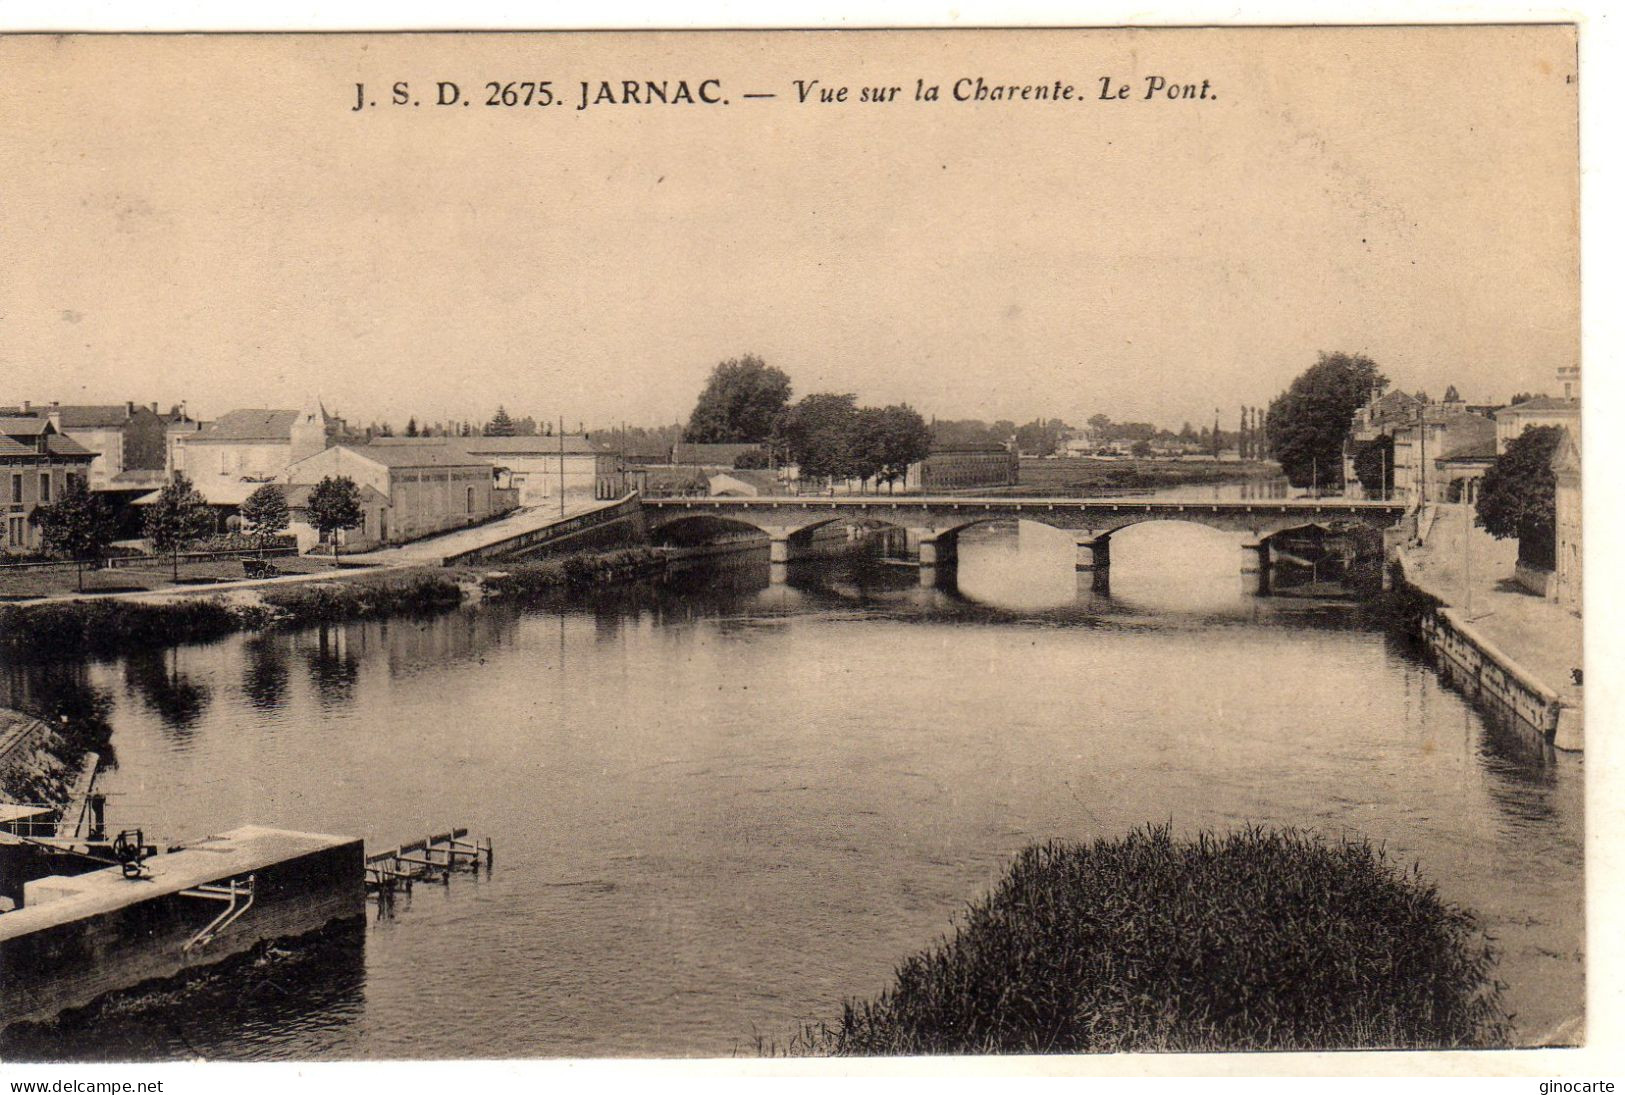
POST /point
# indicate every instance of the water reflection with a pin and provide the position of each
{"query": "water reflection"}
(172, 694)
(265, 671)
(332, 665)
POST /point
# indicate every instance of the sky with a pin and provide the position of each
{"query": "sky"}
(206, 219)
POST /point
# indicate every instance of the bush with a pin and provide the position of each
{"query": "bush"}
(326, 602)
(562, 572)
(73, 628)
(1255, 940)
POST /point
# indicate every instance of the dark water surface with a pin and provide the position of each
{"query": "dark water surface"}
(719, 806)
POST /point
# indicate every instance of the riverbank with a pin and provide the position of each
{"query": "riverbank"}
(1484, 620)
(112, 625)
(1088, 476)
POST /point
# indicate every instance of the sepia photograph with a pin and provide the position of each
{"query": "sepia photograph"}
(791, 544)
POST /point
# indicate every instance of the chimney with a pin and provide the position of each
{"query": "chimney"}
(154, 405)
(129, 408)
(27, 408)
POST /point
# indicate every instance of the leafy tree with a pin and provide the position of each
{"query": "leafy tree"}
(900, 437)
(819, 433)
(335, 503)
(412, 426)
(751, 460)
(1451, 395)
(1140, 449)
(1041, 436)
(1519, 496)
(500, 425)
(179, 515)
(1307, 423)
(1100, 425)
(386, 430)
(1374, 465)
(742, 401)
(76, 526)
(265, 512)
(525, 427)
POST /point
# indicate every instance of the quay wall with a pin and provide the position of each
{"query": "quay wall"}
(71, 963)
(621, 524)
(1487, 673)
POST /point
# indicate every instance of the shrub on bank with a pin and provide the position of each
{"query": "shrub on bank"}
(1257, 940)
(563, 572)
(413, 592)
(72, 628)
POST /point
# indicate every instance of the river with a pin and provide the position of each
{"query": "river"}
(720, 806)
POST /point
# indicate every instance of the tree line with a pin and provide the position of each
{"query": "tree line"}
(827, 435)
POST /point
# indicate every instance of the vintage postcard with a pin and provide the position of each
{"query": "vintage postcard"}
(703, 544)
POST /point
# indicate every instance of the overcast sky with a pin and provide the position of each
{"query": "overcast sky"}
(207, 219)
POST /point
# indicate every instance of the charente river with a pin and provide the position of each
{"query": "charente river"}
(721, 806)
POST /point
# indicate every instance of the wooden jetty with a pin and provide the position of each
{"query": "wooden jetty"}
(432, 859)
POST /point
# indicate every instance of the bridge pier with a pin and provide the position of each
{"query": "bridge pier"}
(1095, 560)
(1255, 560)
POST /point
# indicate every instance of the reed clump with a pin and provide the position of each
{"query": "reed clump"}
(1256, 940)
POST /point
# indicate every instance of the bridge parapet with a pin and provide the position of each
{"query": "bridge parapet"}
(787, 515)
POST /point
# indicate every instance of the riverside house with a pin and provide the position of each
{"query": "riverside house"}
(536, 467)
(36, 462)
(421, 489)
(250, 446)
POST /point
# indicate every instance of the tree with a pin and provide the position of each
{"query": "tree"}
(76, 526)
(386, 430)
(1140, 449)
(265, 512)
(742, 401)
(819, 433)
(901, 438)
(1374, 465)
(1100, 425)
(178, 515)
(335, 503)
(412, 426)
(500, 425)
(751, 460)
(1518, 496)
(1451, 395)
(1307, 423)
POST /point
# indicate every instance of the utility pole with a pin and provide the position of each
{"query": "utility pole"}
(561, 465)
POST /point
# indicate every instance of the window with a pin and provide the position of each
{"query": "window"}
(470, 499)
(17, 488)
(44, 486)
(17, 530)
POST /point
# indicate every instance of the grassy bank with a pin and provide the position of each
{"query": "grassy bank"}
(105, 627)
(1257, 940)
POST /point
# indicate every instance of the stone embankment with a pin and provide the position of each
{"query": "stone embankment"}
(1499, 642)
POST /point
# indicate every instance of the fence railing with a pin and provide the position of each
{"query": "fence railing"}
(113, 562)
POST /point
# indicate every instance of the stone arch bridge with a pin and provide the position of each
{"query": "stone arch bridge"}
(935, 523)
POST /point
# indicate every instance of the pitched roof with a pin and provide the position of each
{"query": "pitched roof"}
(89, 416)
(250, 424)
(56, 444)
(1542, 405)
(417, 456)
(24, 427)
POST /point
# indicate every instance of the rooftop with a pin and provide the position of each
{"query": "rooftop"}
(251, 424)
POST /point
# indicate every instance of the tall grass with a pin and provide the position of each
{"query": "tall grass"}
(1256, 940)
